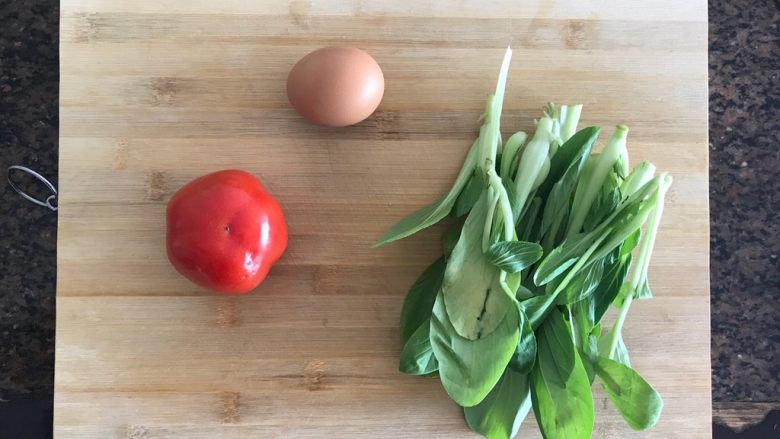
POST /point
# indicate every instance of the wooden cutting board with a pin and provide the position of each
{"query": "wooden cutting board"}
(157, 92)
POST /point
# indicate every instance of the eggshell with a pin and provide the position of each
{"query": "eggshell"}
(336, 86)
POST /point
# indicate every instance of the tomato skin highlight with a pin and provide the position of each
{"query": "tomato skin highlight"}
(225, 231)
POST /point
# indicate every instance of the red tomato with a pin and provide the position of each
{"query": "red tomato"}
(225, 231)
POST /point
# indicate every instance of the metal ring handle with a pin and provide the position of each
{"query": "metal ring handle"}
(49, 202)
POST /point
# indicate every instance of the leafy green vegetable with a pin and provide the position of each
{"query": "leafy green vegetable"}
(627, 219)
(450, 238)
(535, 155)
(560, 389)
(537, 308)
(585, 334)
(469, 369)
(615, 270)
(583, 284)
(606, 202)
(588, 188)
(419, 302)
(571, 155)
(611, 233)
(643, 291)
(639, 274)
(549, 235)
(514, 256)
(501, 413)
(525, 355)
(565, 169)
(630, 243)
(417, 355)
(470, 194)
(529, 220)
(523, 293)
(511, 149)
(635, 399)
(639, 177)
(561, 258)
(475, 303)
(569, 117)
(621, 352)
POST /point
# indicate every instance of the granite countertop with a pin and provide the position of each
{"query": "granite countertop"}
(744, 198)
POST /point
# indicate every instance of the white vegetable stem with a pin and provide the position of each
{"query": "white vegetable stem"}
(570, 117)
(511, 148)
(491, 135)
(492, 196)
(544, 170)
(588, 188)
(639, 274)
(503, 203)
(532, 163)
(639, 177)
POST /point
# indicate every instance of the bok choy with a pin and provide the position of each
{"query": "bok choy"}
(511, 317)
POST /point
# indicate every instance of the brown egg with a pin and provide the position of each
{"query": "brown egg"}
(336, 86)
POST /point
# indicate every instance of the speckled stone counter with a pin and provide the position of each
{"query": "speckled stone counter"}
(29, 82)
(744, 197)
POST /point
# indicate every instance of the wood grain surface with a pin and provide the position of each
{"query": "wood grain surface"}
(740, 416)
(157, 92)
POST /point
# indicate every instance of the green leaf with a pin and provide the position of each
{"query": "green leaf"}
(560, 195)
(470, 194)
(476, 303)
(583, 284)
(469, 369)
(621, 352)
(523, 293)
(611, 234)
(605, 203)
(525, 355)
(503, 410)
(632, 215)
(589, 349)
(585, 334)
(419, 301)
(643, 291)
(514, 256)
(417, 355)
(556, 349)
(630, 243)
(624, 291)
(537, 308)
(513, 282)
(574, 150)
(582, 320)
(431, 214)
(509, 187)
(562, 257)
(635, 399)
(556, 210)
(526, 226)
(450, 238)
(602, 208)
(512, 148)
(609, 286)
(546, 272)
(596, 330)
(560, 389)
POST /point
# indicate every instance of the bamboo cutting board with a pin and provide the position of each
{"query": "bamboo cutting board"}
(156, 92)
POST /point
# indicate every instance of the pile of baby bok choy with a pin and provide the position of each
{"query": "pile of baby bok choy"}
(510, 317)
